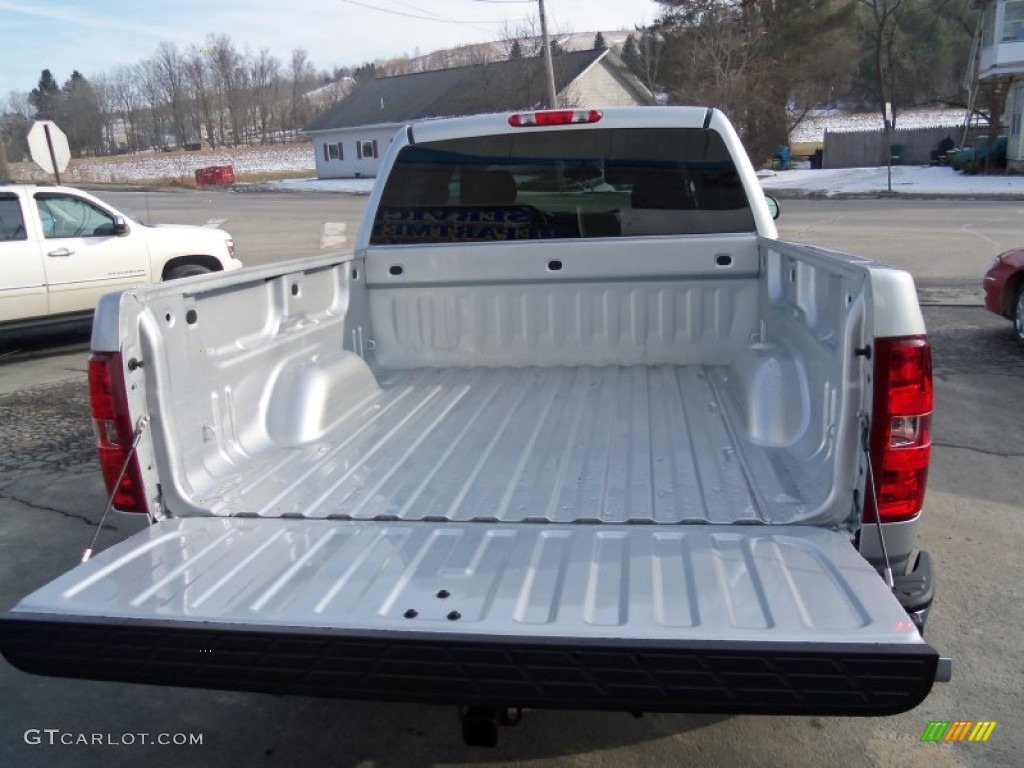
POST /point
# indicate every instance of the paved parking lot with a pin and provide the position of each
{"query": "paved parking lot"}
(51, 496)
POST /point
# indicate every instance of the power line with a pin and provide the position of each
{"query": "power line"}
(421, 10)
(416, 16)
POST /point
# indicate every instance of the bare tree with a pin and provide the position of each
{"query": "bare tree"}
(527, 33)
(913, 51)
(107, 106)
(882, 33)
(199, 76)
(17, 103)
(170, 69)
(301, 77)
(398, 65)
(471, 55)
(15, 119)
(126, 101)
(227, 67)
(243, 99)
(151, 95)
(265, 76)
(752, 58)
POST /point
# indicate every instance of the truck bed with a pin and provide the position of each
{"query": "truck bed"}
(336, 390)
(610, 444)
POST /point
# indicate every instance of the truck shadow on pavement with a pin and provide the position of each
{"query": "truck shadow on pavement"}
(19, 346)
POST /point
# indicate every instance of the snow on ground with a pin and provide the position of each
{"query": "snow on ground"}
(151, 166)
(812, 128)
(351, 186)
(906, 180)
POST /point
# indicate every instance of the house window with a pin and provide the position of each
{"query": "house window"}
(366, 149)
(332, 152)
(1013, 21)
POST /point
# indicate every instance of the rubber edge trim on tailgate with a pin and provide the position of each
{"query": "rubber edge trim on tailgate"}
(557, 673)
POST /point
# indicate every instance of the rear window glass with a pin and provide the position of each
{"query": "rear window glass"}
(562, 184)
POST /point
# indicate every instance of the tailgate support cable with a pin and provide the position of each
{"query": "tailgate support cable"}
(887, 570)
(136, 437)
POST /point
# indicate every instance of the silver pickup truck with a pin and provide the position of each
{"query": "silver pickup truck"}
(570, 428)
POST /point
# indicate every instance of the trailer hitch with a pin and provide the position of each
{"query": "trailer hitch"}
(480, 724)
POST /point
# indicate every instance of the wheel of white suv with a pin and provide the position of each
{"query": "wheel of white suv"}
(187, 270)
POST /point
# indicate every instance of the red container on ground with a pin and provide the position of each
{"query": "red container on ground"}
(215, 174)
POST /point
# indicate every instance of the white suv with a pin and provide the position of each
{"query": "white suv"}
(61, 249)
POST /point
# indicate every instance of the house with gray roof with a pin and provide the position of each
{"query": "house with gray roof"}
(349, 140)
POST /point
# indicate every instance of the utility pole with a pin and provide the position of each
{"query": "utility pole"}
(547, 57)
(888, 143)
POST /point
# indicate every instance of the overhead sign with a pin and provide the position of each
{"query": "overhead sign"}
(49, 146)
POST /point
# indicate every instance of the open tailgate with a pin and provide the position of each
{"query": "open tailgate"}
(631, 617)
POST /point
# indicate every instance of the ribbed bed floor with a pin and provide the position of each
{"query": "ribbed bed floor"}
(607, 444)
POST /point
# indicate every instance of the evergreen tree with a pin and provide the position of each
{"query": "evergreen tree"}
(46, 97)
(364, 72)
(80, 116)
(599, 43)
(631, 56)
(557, 48)
(516, 51)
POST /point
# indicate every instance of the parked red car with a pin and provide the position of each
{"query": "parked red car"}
(1004, 289)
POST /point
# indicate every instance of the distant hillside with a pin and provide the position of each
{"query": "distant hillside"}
(460, 56)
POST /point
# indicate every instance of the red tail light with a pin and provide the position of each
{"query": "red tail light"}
(114, 433)
(554, 117)
(901, 424)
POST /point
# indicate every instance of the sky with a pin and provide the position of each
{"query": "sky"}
(96, 36)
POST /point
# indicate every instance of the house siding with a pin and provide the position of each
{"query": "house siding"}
(350, 162)
(1002, 42)
(602, 85)
(1015, 123)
